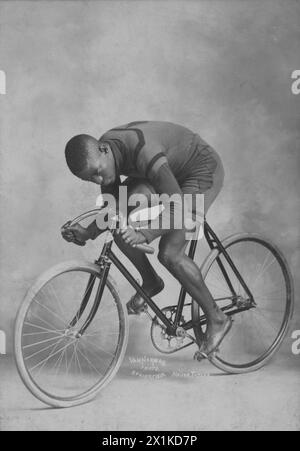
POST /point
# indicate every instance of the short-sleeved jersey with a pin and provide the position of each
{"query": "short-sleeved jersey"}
(140, 148)
(163, 152)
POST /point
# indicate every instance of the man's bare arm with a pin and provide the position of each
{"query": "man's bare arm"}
(94, 231)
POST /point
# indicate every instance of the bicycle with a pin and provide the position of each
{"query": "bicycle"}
(67, 351)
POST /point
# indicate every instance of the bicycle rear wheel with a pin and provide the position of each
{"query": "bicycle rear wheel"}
(259, 330)
(57, 365)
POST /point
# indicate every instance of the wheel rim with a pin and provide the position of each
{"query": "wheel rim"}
(257, 332)
(59, 363)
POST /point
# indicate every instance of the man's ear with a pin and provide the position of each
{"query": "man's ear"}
(103, 147)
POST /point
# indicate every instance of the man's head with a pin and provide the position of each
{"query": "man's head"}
(90, 161)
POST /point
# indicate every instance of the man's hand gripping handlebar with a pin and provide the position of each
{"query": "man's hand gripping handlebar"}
(73, 232)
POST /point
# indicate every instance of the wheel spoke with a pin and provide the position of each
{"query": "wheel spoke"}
(43, 328)
(98, 347)
(101, 332)
(269, 292)
(38, 352)
(77, 359)
(50, 311)
(45, 321)
(216, 283)
(266, 320)
(59, 303)
(90, 364)
(258, 331)
(263, 270)
(58, 363)
(92, 352)
(40, 342)
(47, 358)
(41, 333)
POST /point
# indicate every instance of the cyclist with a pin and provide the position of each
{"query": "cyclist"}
(157, 157)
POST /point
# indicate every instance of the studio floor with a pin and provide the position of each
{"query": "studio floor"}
(177, 393)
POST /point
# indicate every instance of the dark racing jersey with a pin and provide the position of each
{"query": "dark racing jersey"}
(164, 153)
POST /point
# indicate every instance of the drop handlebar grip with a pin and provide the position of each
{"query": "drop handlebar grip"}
(145, 248)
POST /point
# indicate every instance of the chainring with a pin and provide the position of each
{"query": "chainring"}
(164, 342)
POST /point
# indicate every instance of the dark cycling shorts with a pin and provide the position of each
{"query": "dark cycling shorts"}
(194, 183)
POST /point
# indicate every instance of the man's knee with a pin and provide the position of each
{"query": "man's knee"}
(169, 256)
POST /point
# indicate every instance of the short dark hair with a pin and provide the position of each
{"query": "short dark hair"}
(76, 153)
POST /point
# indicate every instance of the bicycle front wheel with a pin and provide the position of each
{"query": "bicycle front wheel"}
(58, 365)
(258, 331)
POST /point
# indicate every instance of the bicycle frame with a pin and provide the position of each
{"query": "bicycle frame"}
(107, 257)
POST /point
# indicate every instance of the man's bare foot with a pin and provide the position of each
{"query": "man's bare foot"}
(137, 304)
(214, 336)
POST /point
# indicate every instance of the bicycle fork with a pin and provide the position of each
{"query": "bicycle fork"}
(104, 264)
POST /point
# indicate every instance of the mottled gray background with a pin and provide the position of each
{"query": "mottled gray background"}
(221, 68)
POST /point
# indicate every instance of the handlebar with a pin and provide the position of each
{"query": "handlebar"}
(84, 216)
(142, 247)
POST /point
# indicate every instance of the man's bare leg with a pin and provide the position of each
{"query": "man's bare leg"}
(152, 283)
(172, 256)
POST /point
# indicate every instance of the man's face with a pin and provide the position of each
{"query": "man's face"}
(100, 167)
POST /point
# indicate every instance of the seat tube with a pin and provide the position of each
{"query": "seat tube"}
(182, 294)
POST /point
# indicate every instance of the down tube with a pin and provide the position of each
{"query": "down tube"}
(134, 283)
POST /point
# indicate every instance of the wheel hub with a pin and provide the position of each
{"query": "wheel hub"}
(72, 333)
(242, 302)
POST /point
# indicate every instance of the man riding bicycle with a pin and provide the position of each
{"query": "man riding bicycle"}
(163, 158)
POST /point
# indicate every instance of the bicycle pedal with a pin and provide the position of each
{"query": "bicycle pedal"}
(144, 309)
(137, 311)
